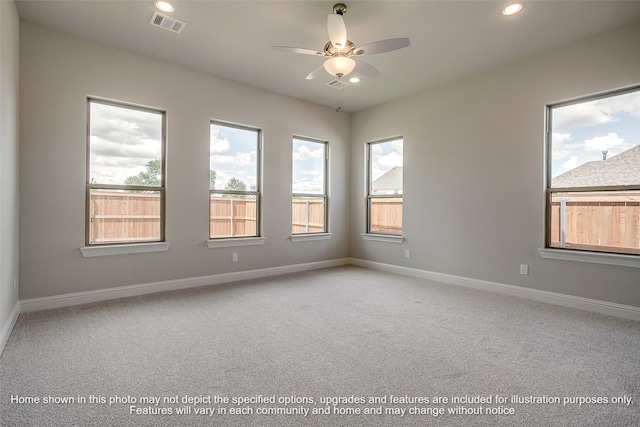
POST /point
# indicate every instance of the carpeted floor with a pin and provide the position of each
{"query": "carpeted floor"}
(322, 347)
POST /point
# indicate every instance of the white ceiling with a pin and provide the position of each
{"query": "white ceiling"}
(232, 39)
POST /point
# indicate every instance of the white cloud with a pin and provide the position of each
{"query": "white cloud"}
(390, 160)
(237, 159)
(587, 114)
(605, 142)
(559, 145)
(304, 153)
(596, 112)
(310, 182)
(122, 141)
(627, 104)
(398, 145)
(217, 144)
(573, 162)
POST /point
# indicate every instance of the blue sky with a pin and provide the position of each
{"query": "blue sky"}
(233, 154)
(580, 132)
(384, 156)
(122, 142)
(308, 167)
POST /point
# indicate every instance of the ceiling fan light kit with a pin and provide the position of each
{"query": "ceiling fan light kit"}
(339, 51)
(339, 65)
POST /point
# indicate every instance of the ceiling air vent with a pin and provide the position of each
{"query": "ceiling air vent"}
(337, 84)
(163, 21)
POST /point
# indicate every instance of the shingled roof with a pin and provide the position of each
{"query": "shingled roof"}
(390, 182)
(622, 169)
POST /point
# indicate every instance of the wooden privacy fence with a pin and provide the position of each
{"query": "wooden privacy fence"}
(386, 215)
(232, 217)
(307, 215)
(597, 220)
(117, 217)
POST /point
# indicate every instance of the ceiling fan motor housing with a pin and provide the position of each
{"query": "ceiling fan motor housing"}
(340, 9)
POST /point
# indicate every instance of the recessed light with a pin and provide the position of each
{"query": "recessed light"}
(163, 6)
(512, 9)
(354, 80)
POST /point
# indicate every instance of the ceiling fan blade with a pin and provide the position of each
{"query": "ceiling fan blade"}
(297, 50)
(337, 31)
(315, 73)
(366, 69)
(382, 46)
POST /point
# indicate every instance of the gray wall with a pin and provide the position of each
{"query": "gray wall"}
(9, 24)
(58, 72)
(474, 170)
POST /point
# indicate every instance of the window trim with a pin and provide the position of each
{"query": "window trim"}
(608, 258)
(89, 186)
(257, 193)
(582, 253)
(368, 234)
(324, 194)
(386, 238)
(124, 249)
(230, 242)
(310, 237)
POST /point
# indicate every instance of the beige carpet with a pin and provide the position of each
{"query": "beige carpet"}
(286, 350)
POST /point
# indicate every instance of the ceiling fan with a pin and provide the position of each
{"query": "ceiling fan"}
(341, 53)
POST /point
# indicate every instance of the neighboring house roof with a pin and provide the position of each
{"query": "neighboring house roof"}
(621, 169)
(390, 180)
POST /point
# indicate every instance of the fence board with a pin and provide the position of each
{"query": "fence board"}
(386, 216)
(124, 217)
(599, 219)
(232, 217)
(307, 215)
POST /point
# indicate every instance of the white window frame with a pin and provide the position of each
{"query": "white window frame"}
(591, 253)
(257, 239)
(324, 233)
(368, 234)
(126, 246)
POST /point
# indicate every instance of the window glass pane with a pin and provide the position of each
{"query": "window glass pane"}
(386, 167)
(595, 155)
(308, 215)
(596, 143)
(125, 145)
(233, 158)
(232, 215)
(385, 181)
(385, 215)
(117, 216)
(308, 167)
(596, 220)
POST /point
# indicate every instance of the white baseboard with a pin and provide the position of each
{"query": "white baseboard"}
(58, 301)
(8, 326)
(597, 306)
(76, 298)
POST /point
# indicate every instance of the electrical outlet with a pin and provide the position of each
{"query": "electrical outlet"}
(407, 253)
(524, 269)
(234, 257)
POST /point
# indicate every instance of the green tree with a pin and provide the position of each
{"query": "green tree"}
(236, 184)
(212, 179)
(151, 177)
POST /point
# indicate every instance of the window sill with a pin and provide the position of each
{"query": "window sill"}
(310, 237)
(591, 257)
(238, 241)
(134, 248)
(388, 238)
